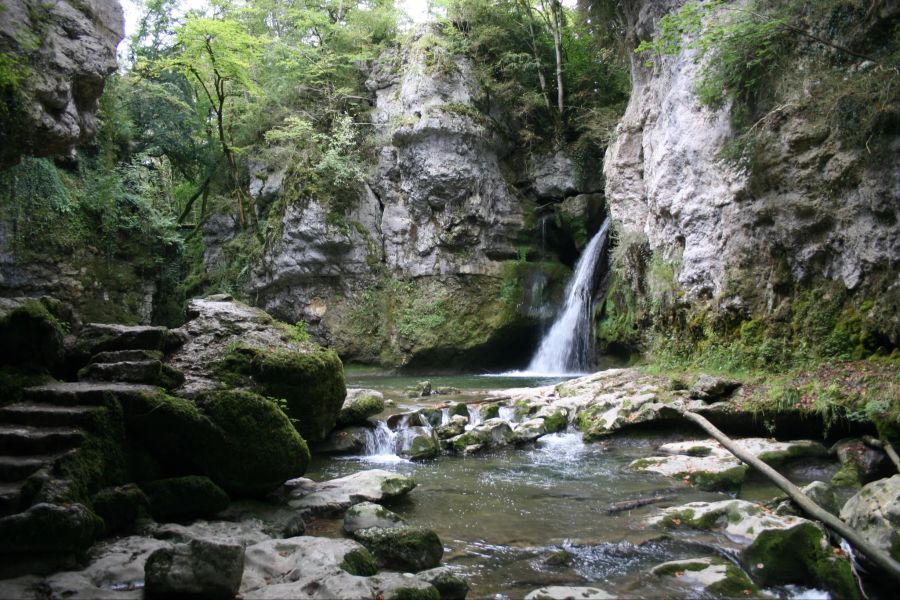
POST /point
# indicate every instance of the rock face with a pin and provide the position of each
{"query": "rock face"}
(720, 228)
(875, 511)
(425, 266)
(61, 53)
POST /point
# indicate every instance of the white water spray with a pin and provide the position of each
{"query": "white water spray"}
(567, 346)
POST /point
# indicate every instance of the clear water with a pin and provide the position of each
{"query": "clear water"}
(503, 516)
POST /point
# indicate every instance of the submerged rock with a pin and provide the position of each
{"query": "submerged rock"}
(715, 576)
(491, 433)
(875, 512)
(369, 514)
(201, 568)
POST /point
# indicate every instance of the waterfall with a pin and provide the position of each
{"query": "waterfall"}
(380, 441)
(567, 346)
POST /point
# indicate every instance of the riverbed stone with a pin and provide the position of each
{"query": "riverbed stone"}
(404, 548)
(566, 592)
(120, 507)
(714, 575)
(369, 514)
(875, 512)
(185, 497)
(458, 409)
(336, 495)
(491, 433)
(246, 532)
(335, 567)
(528, 431)
(201, 568)
(359, 405)
(402, 586)
(819, 492)
(455, 426)
(708, 465)
(417, 443)
(346, 440)
(449, 585)
(48, 529)
(775, 549)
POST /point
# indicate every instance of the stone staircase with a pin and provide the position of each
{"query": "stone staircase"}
(53, 421)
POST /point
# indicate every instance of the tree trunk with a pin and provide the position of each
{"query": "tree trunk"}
(537, 57)
(875, 554)
(556, 13)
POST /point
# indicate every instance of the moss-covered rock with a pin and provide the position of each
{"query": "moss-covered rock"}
(801, 555)
(260, 449)
(448, 585)
(31, 331)
(360, 561)
(875, 512)
(359, 406)
(311, 382)
(120, 507)
(185, 497)
(240, 440)
(48, 529)
(404, 548)
(717, 576)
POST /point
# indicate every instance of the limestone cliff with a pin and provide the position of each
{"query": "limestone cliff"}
(808, 232)
(439, 259)
(55, 58)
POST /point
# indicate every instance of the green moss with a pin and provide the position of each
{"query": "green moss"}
(405, 548)
(490, 411)
(259, 448)
(359, 562)
(556, 421)
(360, 409)
(735, 585)
(120, 507)
(15, 379)
(185, 497)
(800, 555)
(311, 382)
(32, 334)
(429, 593)
(729, 479)
(101, 459)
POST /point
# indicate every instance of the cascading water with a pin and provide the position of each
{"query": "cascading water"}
(380, 441)
(567, 346)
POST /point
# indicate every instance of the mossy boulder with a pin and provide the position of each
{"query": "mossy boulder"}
(260, 448)
(417, 443)
(368, 514)
(404, 548)
(242, 441)
(120, 507)
(32, 331)
(800, 555)
(359, 406)
(185, 497)
(48, 529)
(311, 382)
(448, 585)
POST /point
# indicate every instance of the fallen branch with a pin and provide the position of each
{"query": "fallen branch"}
(883, 445)
(875, 554)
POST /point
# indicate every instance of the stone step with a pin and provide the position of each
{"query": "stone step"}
(115, 356)
(82, 393)
(23, 440)
(14, 468)
(47, 415)
(11, 497)
(151, 372)
(94, 338)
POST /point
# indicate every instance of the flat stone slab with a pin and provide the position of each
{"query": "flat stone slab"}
(707, 464)
(740, 521)
(82, 393)
(337, 495)
(560, 592)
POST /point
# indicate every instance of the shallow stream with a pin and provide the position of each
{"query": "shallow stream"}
(522, 518)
